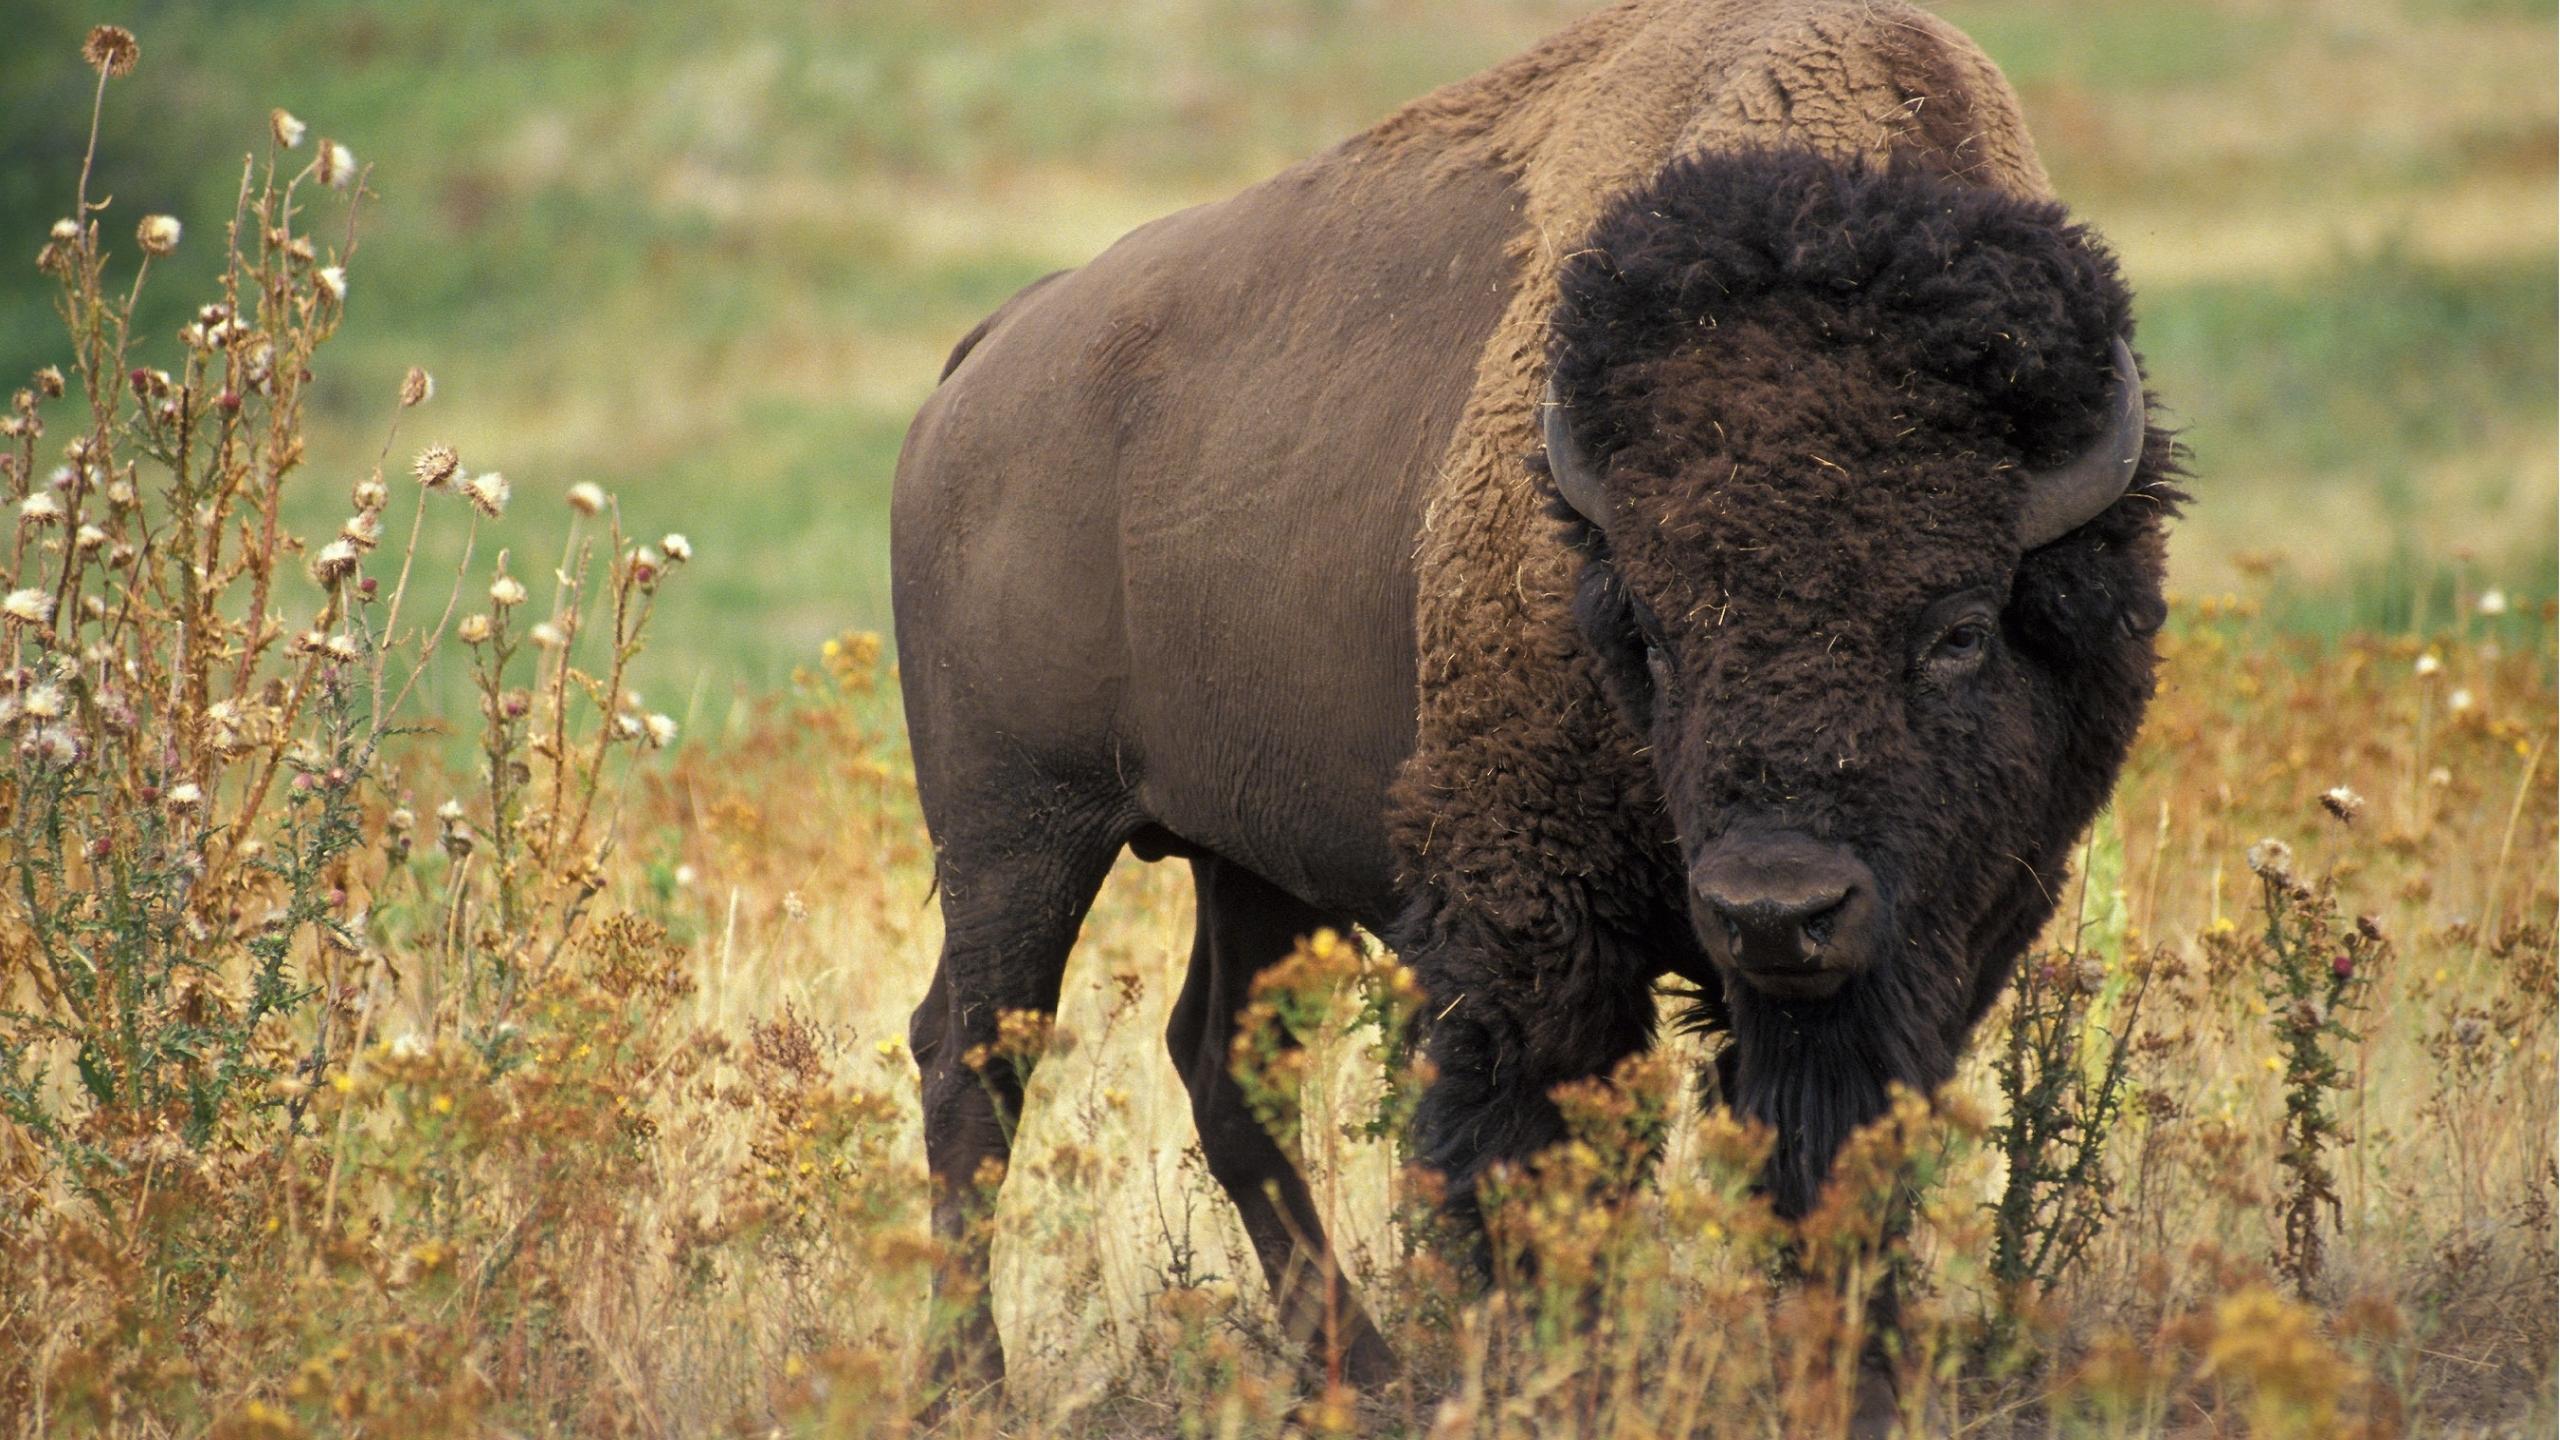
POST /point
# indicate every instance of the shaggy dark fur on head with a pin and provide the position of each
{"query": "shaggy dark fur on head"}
(1816, 393)
(1940, 285)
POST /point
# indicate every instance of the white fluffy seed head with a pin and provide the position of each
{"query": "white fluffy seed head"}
(158, 234)
(336, 166)
(335, 562)
(2273, 859)
(488, 493)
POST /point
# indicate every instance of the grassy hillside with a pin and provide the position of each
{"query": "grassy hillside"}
(711, 257)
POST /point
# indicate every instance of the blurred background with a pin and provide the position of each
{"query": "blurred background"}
(711, 256)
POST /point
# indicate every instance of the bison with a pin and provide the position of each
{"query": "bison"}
(1681, 504)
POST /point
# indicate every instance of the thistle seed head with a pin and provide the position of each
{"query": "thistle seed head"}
(335, 562)
(487, 493)
(111, 50)
(158, 234)
(27, 605)
(2273, 859)
(435, 466)
(336, 166)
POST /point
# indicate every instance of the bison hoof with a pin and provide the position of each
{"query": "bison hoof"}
(965, 1377)
(1368, 1364)
(1876, 1411)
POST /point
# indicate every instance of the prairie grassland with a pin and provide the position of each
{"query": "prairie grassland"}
(586, 1108)
(693, 1201)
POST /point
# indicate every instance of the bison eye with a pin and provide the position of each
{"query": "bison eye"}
(1962, 644)
(1955, 634)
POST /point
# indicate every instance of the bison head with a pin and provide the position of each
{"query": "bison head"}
(1858, 463)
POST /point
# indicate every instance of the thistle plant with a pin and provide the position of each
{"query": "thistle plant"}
(209, 859)
(2061, 1069)
(193, 726)
(2315, 975)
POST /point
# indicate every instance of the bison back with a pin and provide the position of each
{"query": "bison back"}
(1153, 537)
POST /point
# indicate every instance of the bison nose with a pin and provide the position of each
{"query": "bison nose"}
(1795, 918)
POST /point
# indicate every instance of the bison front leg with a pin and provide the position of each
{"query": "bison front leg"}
(1504, 1034)
(1246, 925)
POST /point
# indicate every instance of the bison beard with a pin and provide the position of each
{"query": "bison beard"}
(1813, 1079)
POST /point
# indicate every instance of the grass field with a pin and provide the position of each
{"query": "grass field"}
(619, 1136)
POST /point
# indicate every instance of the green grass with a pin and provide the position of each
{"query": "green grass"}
(2182, 43)
(2367, 375)
(713, 261)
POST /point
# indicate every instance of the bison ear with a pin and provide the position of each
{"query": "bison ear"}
(2062, 500)
(1576, 479)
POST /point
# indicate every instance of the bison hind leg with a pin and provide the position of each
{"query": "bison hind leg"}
(1246, 924)
(1011, 910)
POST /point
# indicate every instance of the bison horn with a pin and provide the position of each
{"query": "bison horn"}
(1575, 478)
(2062, 500)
